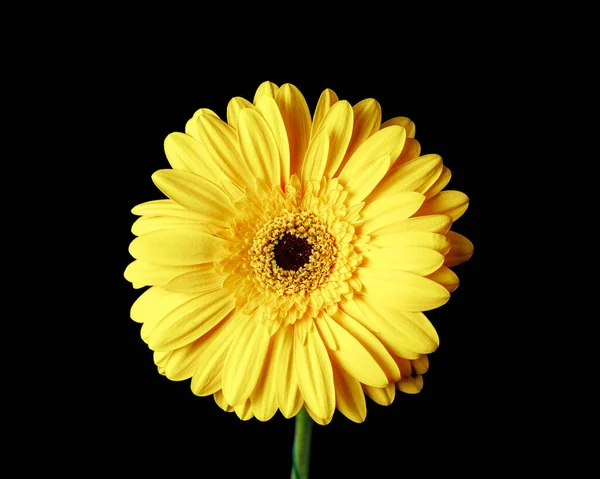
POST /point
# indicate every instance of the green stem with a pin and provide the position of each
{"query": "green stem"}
(301, 447)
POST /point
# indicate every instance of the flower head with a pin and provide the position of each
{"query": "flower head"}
(293, 259)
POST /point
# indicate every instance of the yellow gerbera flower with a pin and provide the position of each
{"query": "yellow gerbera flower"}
(293, 259)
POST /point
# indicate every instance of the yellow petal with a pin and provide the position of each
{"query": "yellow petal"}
(421, 365)
(440, 183)
(394, 340)
(382, 216)
(266, 88)
(325, 331)
(349, 396)
(296, 406)
(269, 110)
(142, 273)
(367, 120)
(411, 150)
(461, 249)
(244, 362)
(323, 421)
(244, 410)
(414, 326)
(353, 357)
(369, 342)
(258, 146)
(425, 239)
(415, 175)
(264, 396)
(404, 331)
(220, 400)
(191, 320)
(154, 303)
(451, 203)
(404, 122)
(288, 394)
(164, 208)
(352, 213)
(413, 259)
(401, 290)
(296, 117)
(182, 362)
(433, 223)
(209, 370)
(338, 123)
(446, 277)
(221, 146)
(183, 152)
(160, 359)
(389, 141)
(148, 224)
(409, 334)
(411, 385)
(327, 99)
(315, 374)
(235, 105)
(405, 366)
(197, 194)
(383, 396)
(178, 247)
(201, 279)
(188, 154)
(360, 179)
(191, 127)
(315, 161)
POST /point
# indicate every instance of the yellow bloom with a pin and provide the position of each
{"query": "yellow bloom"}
(293, 259)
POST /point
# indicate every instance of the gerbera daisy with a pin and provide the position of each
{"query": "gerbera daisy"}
(293, 259)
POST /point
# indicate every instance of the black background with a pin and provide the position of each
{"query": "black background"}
(152, 422)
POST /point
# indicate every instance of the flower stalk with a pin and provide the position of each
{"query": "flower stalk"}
(301, 447)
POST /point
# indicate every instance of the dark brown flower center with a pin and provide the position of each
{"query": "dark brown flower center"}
(292, 252)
